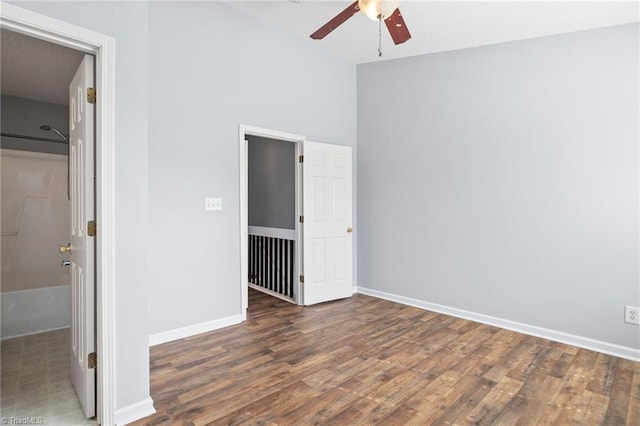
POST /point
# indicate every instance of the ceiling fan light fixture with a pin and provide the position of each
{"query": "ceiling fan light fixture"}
(378, 9)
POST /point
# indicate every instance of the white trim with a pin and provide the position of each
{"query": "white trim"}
(192, 330)
(284, 234)
(243, 153)
(625, 352)
(268, 133)
(133, 412)
(298, 265)
(103, 47)
(271, 293)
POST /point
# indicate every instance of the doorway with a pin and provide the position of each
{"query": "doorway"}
(272, 181)
(103, 48)
(270, 233)
(48, 289)
(323, 234)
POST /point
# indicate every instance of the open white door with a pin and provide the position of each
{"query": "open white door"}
(82, 247)
(327, 234)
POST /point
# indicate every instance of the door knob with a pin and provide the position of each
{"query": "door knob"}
(349, 229)
(65, 249)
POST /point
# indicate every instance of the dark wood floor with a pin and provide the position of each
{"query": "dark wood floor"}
(370, 361)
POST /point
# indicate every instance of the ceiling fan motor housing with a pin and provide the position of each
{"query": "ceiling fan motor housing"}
(377, 9)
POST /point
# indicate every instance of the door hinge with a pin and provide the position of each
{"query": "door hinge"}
(300, 158)
(91, 228)
(301, 219)
(302, 279)
(92, 360)
(91, 95)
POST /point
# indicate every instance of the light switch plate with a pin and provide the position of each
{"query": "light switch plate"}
(211, 204)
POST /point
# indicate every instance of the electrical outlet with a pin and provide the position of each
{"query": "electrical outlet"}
(632, 314)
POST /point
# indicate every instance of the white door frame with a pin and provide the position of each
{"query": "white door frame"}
(103, 47)
(244, 130)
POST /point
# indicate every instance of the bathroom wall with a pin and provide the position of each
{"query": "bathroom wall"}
(34, 209)
(25, 116)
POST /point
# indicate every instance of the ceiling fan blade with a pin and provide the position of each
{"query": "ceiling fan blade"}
(339, 19)
(397, 28)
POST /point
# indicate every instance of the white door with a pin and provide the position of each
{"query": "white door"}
(81, 157)
(327, 233)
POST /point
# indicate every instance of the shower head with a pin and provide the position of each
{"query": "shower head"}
(49, 128)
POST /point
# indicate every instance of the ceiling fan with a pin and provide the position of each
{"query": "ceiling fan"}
(378, 10)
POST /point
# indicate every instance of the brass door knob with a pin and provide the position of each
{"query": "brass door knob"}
(349, 229)
(65, 249)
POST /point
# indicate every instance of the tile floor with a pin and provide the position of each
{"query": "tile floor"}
(35, 381)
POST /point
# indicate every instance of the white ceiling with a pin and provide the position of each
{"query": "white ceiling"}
(438, 26)
(35, 69)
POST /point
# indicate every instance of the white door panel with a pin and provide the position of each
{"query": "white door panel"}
(81, 156)
(327, 209)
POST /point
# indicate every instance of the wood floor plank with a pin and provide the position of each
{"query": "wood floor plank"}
(621, 395)
(603, 374)
(467, 400)
(633, 412)
(561, 401)
(395, 416)
(365, 361)
(491, 406)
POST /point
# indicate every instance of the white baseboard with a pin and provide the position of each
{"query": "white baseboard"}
(134, 412)
(625, 352)
(34, 311)
(192, 330)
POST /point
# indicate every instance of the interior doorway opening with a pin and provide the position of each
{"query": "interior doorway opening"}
(41, 282)
(323, 257)
(103, 48)
(272, 200)
(270, 255)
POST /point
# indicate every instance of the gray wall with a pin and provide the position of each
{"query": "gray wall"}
(25, 116)
(503, 180)
(203, 83)
(272, 183)
(127, 22)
